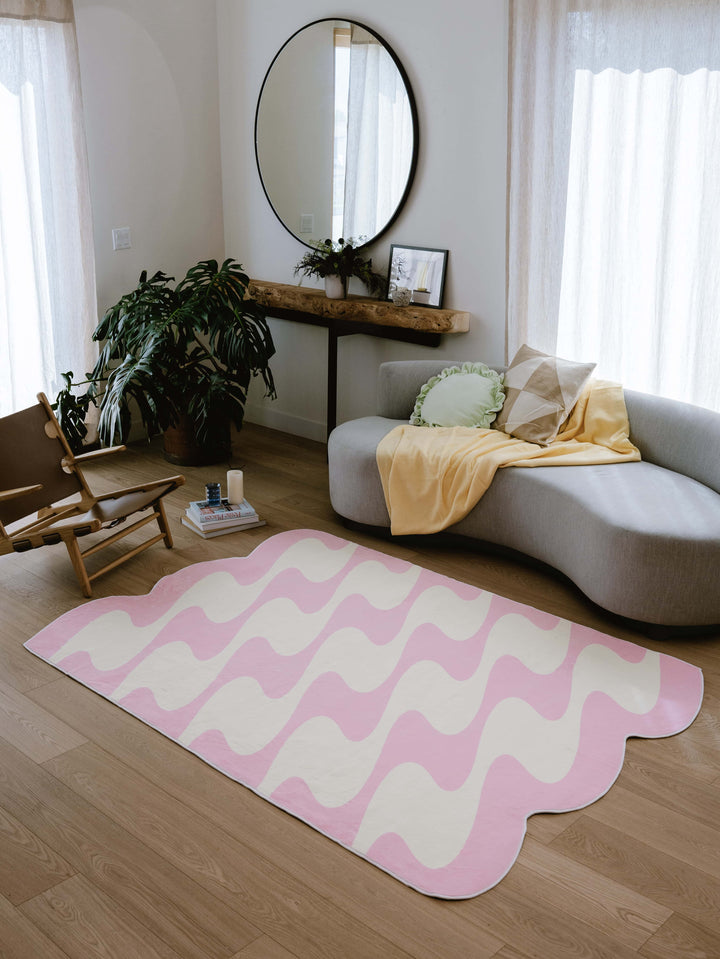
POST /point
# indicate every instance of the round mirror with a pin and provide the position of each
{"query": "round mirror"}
(336, 135)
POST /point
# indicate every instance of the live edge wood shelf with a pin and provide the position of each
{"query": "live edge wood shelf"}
(356, 314)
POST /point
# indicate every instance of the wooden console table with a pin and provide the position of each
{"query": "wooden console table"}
(356, 314)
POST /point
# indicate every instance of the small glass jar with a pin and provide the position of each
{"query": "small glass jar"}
(212, 494)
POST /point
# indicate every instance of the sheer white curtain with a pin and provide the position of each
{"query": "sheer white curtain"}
(47, 273)
(379, 139)
(614, 189)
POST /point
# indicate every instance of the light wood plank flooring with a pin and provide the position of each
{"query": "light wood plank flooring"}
(117, 844)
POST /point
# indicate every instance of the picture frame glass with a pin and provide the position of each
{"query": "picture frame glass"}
(420, 270)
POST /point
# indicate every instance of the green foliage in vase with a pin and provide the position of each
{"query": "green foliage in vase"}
(344, 259)
(176, 351)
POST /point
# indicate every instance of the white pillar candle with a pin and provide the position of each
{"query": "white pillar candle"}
(235, 487)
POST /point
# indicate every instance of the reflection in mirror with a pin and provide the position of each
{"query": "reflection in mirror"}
(336, 133)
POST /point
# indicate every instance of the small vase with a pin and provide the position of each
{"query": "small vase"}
(335, 287)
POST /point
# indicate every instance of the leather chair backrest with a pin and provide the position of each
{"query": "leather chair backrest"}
(32, 453)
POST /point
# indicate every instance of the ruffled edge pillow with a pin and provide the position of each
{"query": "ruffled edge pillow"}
(541, 391)
(468, 395)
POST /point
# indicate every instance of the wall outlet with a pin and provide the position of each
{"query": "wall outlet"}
(307, 222)
(121, 238)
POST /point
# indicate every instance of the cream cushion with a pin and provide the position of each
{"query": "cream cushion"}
(540, 392)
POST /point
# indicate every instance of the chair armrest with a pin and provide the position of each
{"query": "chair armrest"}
(68, 461)
(170, 481)
(20, 491)
(48, 518)
(22, 540)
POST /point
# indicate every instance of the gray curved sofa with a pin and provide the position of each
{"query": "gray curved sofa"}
(641, 539)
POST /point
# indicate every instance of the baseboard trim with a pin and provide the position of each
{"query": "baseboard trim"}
(285, 423)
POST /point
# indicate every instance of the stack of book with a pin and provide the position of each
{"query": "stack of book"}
(208, 521)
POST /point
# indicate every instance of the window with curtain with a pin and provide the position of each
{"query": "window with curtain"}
(47, 274)
(614, 189)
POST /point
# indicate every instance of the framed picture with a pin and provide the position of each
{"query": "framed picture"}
(419, 269)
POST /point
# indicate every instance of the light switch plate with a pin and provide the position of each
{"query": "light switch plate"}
(121, 238)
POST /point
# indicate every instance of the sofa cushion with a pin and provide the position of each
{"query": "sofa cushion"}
(541, 391)
(467, 395)
(611, 530)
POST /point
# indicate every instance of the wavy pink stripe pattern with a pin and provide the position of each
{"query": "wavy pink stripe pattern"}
(412, 718)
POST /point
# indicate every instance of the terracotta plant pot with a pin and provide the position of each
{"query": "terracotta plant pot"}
(180, 446)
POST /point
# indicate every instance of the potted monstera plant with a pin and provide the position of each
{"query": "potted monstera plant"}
(184, 355)
(337, 261)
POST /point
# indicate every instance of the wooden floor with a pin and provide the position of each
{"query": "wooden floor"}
(116, 843)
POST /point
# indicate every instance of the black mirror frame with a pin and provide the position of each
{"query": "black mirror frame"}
(413, 113)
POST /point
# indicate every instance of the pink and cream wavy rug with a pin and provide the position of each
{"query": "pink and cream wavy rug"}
(414, 719)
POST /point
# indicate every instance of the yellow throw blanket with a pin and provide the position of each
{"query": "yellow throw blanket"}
(433, 476)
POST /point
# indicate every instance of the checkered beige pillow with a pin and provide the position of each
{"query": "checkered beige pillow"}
(540, 392)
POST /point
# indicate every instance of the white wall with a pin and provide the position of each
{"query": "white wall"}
(456, 57)
(150, 93)
(159, 124)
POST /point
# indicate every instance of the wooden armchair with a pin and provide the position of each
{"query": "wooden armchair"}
(45, 499)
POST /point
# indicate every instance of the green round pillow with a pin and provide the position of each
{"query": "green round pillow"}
(467, 395)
